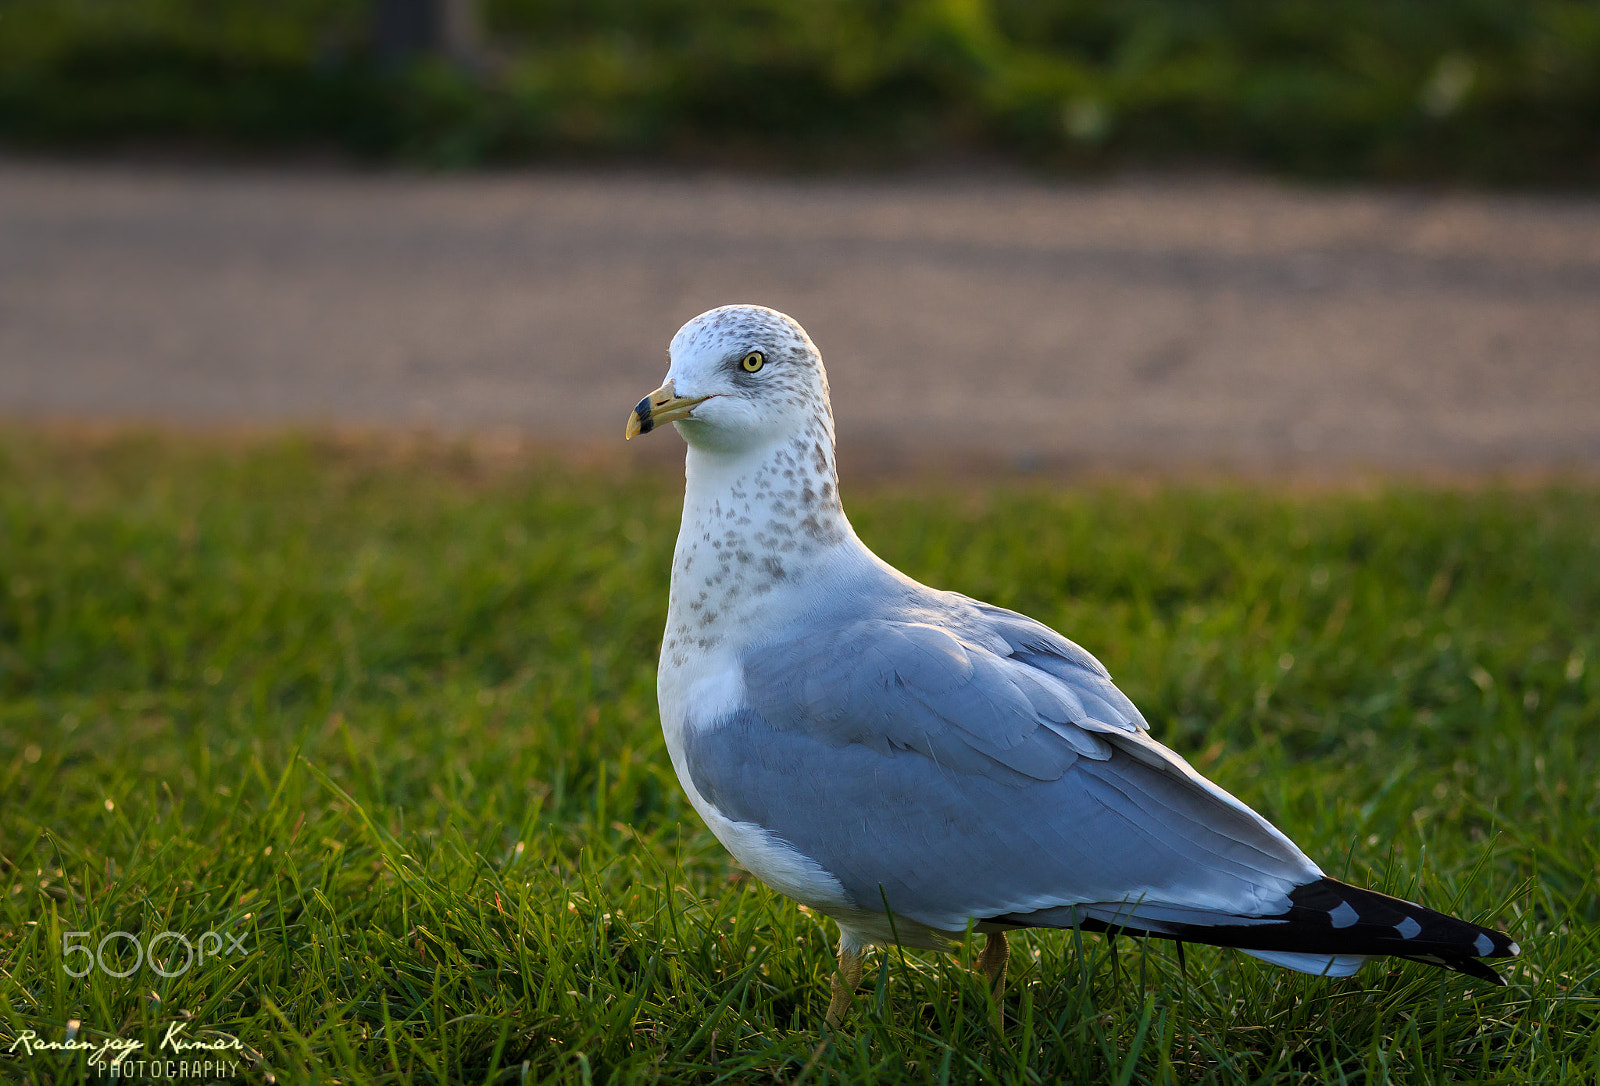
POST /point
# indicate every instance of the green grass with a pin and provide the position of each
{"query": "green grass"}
(1502, 91)
(390, 718)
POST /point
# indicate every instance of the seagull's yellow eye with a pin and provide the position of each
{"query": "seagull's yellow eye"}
(752, 362)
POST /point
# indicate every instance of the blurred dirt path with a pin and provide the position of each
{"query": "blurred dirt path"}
(1129, 324)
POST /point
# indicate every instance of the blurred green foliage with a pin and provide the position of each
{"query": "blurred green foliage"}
(1503, 91)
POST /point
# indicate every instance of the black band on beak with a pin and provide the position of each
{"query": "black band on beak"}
(646, 423)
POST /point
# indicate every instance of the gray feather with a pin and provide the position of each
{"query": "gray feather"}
(977, 765)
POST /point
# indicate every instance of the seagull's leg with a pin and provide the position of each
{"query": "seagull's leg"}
(993, 963)
(851, 959)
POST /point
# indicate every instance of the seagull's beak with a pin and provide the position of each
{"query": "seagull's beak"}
(661, 406)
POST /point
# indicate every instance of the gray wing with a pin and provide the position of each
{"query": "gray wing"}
(964, 761)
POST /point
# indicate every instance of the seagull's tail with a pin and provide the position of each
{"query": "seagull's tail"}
(1330, 928)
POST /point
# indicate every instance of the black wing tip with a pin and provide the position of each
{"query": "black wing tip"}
(1471, 967)
(1378, 923)
(1327, 916)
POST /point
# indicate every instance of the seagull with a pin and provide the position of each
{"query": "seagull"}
(919, 765)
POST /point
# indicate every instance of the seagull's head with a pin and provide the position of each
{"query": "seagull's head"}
(739, 377)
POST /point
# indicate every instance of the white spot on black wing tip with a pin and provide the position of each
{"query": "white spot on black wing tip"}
(1409, 928)
(1344, 916)
(1513, 949)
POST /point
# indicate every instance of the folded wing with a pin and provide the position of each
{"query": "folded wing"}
(979, 765)
(960, 761)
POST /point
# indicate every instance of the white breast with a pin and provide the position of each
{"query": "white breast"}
(762, 535)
